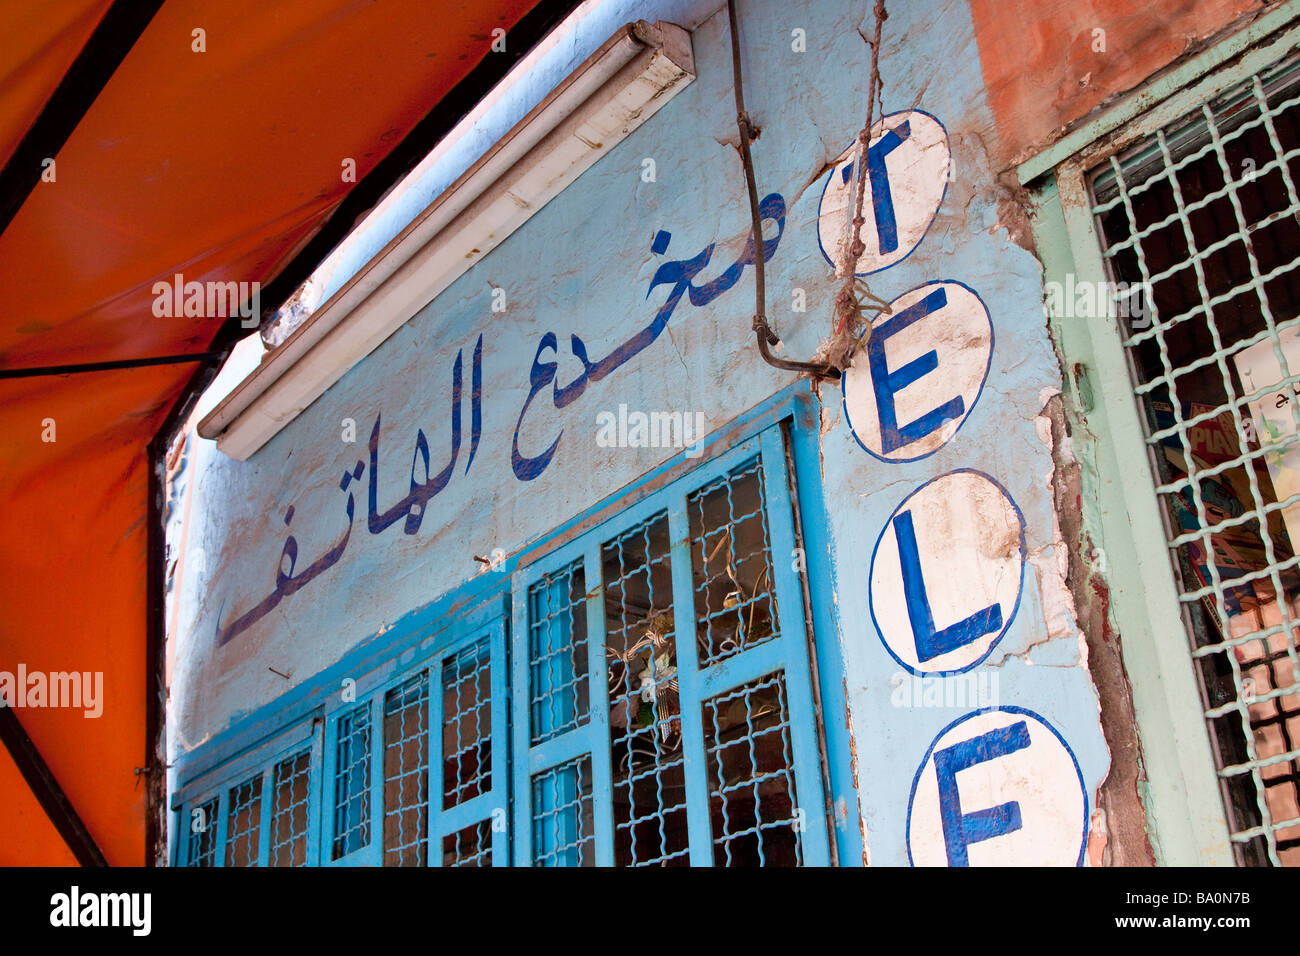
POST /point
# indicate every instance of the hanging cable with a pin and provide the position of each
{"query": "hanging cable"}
(766, 337)
(849, 304)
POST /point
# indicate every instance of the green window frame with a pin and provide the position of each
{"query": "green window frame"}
(1192, 800)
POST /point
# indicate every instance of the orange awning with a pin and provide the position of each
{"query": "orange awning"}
(223, 165)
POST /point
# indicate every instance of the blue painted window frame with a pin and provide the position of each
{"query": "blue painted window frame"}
(485, 624)
(217, 786)
(587, 744)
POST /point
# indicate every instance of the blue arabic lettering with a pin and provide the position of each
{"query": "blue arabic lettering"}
(679, 274)
(413, 506)
(286, 582)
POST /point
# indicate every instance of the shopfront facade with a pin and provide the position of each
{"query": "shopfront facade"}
(562, 572)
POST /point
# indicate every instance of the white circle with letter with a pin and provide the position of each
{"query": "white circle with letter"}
(998, 787)
(946, 573)
(907, 175)
(920, 372)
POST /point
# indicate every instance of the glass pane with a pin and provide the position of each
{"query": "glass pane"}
(557, 644)
(352, 782)
(563, 832)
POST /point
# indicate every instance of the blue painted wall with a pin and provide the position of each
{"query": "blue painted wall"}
(584, 266)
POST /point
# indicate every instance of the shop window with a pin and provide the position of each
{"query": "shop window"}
(1199, 229)
(438, 721)
(257, 813)
(668, 717)
(664, 709)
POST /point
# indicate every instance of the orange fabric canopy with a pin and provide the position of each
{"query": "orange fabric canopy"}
(220, 165)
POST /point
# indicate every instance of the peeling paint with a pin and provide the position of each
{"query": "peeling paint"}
(1121, 791)
(583, 270)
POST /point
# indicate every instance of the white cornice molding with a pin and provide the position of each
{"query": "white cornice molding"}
(616, 89)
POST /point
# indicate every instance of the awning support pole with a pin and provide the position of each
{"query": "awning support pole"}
(46, 789)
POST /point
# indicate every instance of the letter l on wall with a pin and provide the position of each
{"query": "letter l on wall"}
(931, 643)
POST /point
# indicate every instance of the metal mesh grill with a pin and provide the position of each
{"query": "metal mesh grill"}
(244, 822)
(557, 652)
(467, 724)
(289, 811)
(352, 782)
(1201, 220)
(644, 699)
(203, 834)
(471, 846)
(406, 778)
(735, 606)
(751, 776)
(562, 815)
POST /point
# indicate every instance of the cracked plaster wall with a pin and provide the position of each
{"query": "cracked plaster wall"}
(582, 265)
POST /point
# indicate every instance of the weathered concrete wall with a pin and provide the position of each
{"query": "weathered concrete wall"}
(947, 510)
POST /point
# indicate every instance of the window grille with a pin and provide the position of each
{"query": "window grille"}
(471, 826)
(669, 710)
(663, 709)
(563, 830)
(645, 701)
(557, 622)
(1198, 224)
(437, 782)
(289, 811)
(467, 724)
(352, 782)
(244, 822)
(410, 761)
(406, 768)
(752, 797)
(258, 809)
(202, 849)
(471, 846)
(727, 547)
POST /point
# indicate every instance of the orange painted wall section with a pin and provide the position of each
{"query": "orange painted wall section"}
(1043, 74)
